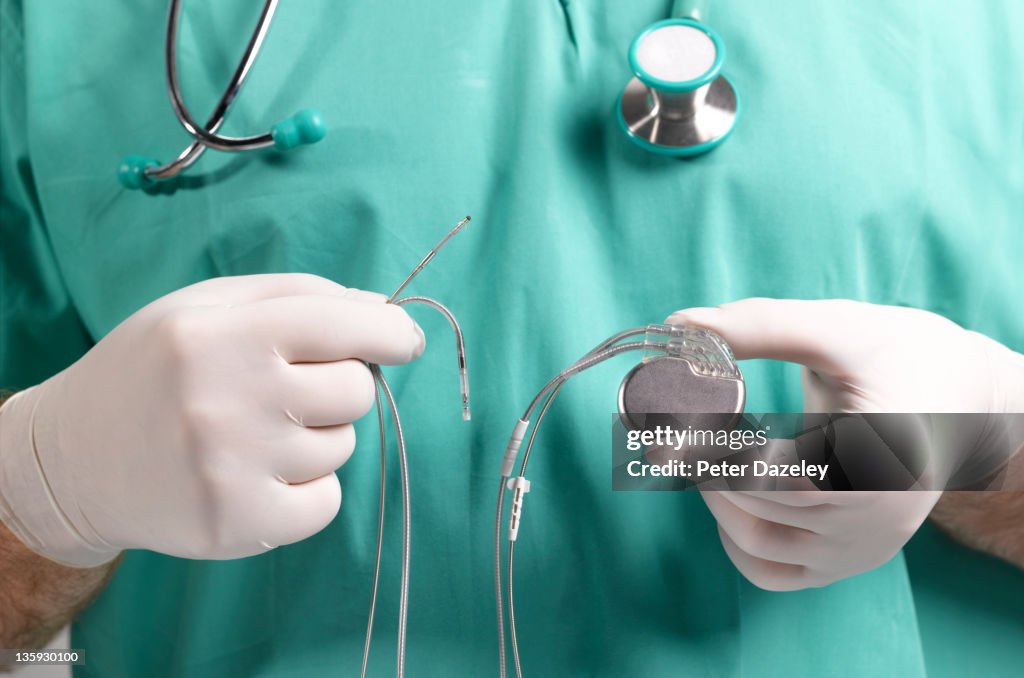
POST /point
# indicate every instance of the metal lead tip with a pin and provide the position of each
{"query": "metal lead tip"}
(430, 255)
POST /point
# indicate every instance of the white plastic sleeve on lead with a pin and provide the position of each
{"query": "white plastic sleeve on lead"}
(513, 447)
(519, 486)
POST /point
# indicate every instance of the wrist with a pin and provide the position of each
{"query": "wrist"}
(28, 506)
(995, 444)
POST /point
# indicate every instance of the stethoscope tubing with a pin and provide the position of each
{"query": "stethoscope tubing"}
(206, 136)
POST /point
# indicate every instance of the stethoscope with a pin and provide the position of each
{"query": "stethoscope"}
(678, 103)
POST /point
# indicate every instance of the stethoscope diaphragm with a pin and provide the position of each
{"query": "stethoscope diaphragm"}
(678, 102)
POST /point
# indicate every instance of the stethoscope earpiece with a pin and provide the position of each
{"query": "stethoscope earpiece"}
(131, 173)
(678, 103)
(305, 127)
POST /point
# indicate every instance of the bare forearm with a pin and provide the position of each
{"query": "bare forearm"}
(39, 596)
(992, 522)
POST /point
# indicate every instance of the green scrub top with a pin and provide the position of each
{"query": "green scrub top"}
(878, 157)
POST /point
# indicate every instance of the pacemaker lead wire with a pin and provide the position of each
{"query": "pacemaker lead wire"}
(381, 388)
(705, 354)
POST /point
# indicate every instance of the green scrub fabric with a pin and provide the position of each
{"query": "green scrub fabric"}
(878, 157)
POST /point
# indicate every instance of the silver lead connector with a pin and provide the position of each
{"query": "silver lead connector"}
(464, 389)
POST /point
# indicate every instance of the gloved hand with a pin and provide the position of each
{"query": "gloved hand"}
(209, 424)
(856, 357)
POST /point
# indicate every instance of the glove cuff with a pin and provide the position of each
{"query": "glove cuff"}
(1008, 370)
(27, 504)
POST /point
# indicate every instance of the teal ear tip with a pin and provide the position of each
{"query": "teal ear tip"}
(311, 125)
(305, 127)
(132, 172)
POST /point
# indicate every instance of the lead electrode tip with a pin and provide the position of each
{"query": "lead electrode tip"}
(430, 255)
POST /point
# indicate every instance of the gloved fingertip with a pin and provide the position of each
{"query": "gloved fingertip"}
(421, 340)
(693, 316)
(365, 296)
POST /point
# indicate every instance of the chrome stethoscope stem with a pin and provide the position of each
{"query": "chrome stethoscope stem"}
(677, 105)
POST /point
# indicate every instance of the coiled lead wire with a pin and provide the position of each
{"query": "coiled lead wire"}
(381, 387)
(604, 351)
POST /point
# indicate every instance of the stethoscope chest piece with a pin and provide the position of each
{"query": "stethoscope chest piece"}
(673, 392)
(678, 103)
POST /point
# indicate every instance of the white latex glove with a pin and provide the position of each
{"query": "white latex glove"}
(856, 357)
(209, 424)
